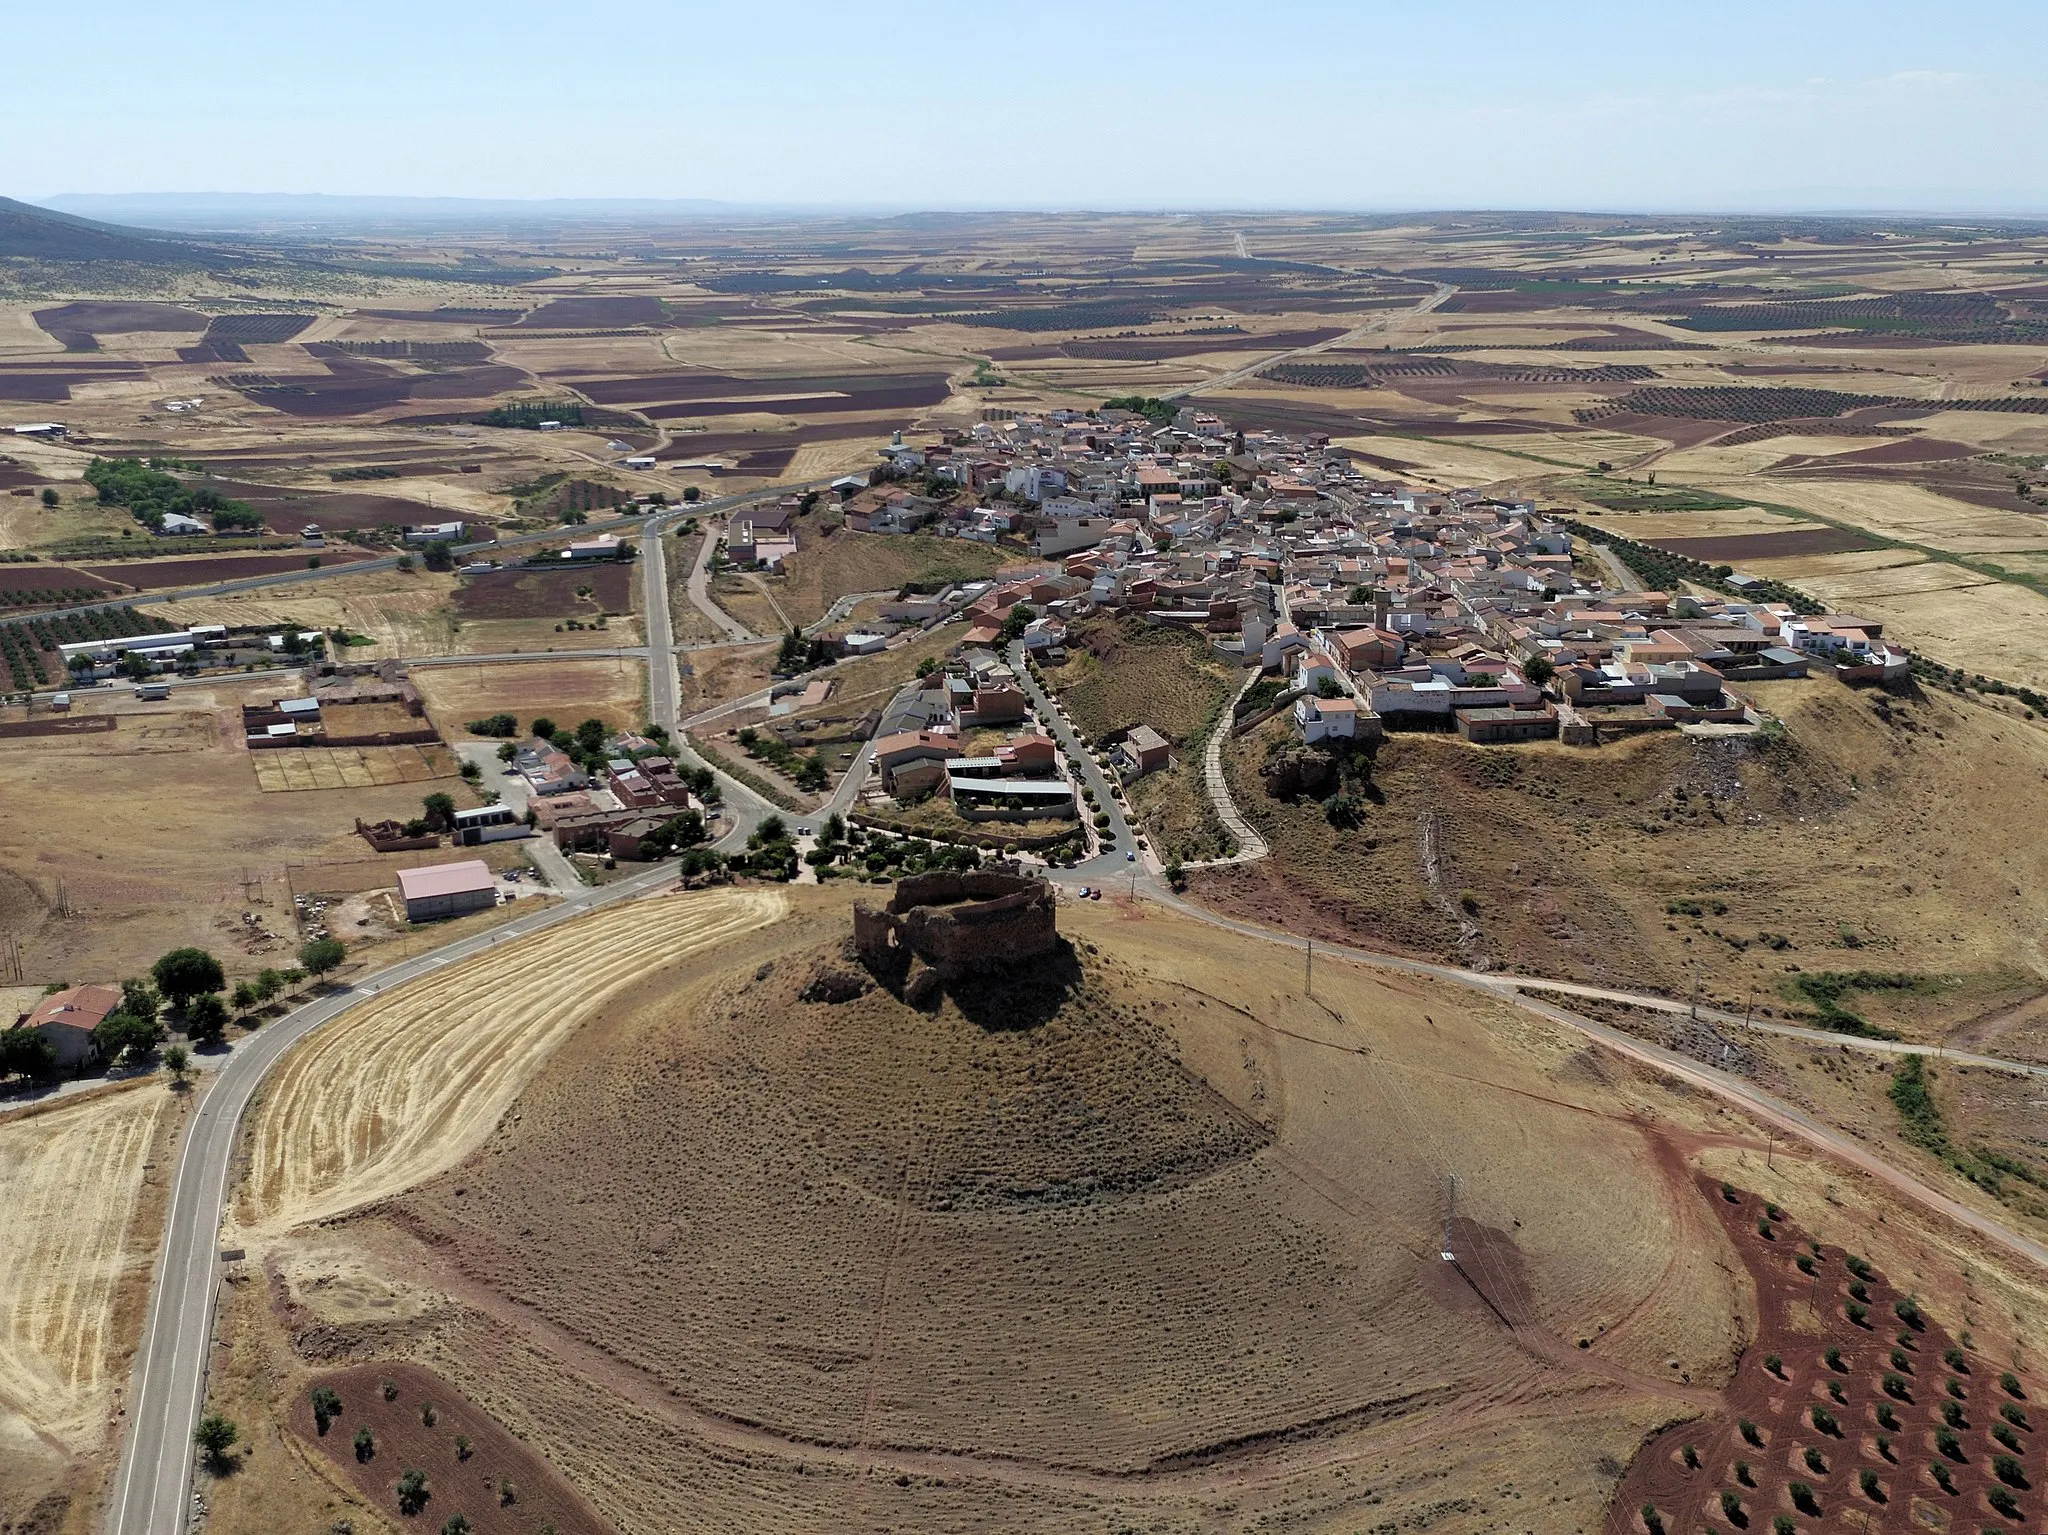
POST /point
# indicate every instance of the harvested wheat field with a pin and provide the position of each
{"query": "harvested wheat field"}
(349, 767)
(73, 1274)
(1146, 1239)
(404, 1087)
(613, 689)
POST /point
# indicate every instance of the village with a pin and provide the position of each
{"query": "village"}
(1374, 605)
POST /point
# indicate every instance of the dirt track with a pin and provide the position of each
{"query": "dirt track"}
(73, 1179)
(407, 1086)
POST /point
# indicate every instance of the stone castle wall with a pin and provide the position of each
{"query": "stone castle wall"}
(958, 923)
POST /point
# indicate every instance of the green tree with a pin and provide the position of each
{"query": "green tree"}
(206, 1018)
(590, 735)
(440, 811)
(50, 495)
(326, 1407)
(244, 996)
(413, 1492)
(438, 556)
(322, 955)
(135, 666)
(455, 1524)
(25, 1053)
(177, 1061)
(1017, 620)
(544, 727)
(183, 974)
(268, 984)
(365, 1444)
(1539, 670)
(125, 1040)
(215, 1436)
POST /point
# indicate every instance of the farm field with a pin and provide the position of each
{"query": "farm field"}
(164, 819)
(82, 1210)
(156, 575)
(403, 613)
(405, 1087)
(612, 689)
(829, 566)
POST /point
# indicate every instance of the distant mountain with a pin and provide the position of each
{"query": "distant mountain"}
(44, 234)
(284, 212)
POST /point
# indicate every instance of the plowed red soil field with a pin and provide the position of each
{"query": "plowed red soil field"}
(37, 577)
(531, 593)
(152, 575)
(472, 1486)
(1864, 1383)
(1769, 546)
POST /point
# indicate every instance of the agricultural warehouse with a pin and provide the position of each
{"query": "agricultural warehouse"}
(447, 890)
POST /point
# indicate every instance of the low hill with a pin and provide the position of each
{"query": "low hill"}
(42, 234)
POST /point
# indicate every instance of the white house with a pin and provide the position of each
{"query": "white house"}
(178, 525)
(1321, 719)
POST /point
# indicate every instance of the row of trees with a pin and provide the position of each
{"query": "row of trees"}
(153, 495)
(186, 985)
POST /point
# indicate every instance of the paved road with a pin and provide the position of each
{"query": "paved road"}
(1252, 370)
(1624, 579)
(1109, 861)
(152, 1484)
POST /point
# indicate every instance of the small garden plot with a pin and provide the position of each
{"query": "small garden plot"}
(584, 591)
(349, 767)
(420, 1452)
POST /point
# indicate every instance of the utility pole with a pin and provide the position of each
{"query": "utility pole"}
(1749, 1004)
(1446, 1252)
(1310, 983)
(1695, 991)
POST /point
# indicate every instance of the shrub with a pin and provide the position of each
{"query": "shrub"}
(2013, 1415)
(1774, 1212)
(428, 1417)
(1731, 1507)
(1763, 1229)
(1652, 1520)
(1953, 1358)
(326, 1407)
(1805, 1263)
(1783, 1525)
(1957, 1390)
(365, 1444)
(501, 725)
(1895, 1386)
(1691, 1458)
(2002, 1499)
(1775, 1365)
(1816, 1462)
(389, 1387)
(1952, 1415)
(2007, 1469)
(507, 1494)
(455, 1524)
(2010, 1383)
(1908, 1311)
(1886, 1418)
(462, 1447)
(1751, 1432)
(1857, 1266)
(1835, 1361)
(1949, 1443)
(2006, 1436)
(1824, 1421)
(1728, 1193)
(1742, 1474)
(1902, 1361)
(1857, 1314)
(1803, 1499)
(1942, 1477)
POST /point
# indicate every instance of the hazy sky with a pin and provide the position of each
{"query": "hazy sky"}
(1045, 103)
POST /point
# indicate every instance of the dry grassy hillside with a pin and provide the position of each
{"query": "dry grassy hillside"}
(1150, 1241)
(1877, 835)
